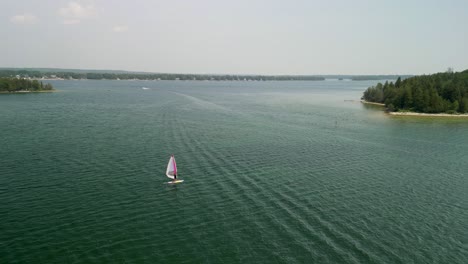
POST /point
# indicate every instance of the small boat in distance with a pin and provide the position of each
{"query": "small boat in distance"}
(171, 171)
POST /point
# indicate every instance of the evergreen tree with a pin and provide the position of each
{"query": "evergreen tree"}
(398, 82)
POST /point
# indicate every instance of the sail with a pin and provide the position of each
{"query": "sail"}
(171, 168)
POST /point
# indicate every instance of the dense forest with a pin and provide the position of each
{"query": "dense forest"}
(153, 76)
(437, 93)
(19, 84)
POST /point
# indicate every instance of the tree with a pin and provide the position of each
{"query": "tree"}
(463, 107)
(455, 106)
(35, 85)
(398, 82)
(407, 98)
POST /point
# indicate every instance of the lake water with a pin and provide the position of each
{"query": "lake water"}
(275, 172)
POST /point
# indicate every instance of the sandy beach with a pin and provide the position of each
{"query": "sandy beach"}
(366, 102)
(426, 114)
(416, 114)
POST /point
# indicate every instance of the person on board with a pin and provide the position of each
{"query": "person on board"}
(174, 173)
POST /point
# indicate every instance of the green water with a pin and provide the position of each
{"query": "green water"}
(275, 172)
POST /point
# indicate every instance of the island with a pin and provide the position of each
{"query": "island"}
(21, 85)
(440, 94)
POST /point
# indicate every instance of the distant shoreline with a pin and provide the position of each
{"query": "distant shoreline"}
(77, 74)
(22, 92)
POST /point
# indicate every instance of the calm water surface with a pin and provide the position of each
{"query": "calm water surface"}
(275, 172)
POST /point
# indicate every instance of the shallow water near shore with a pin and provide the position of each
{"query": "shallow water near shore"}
(275, 172)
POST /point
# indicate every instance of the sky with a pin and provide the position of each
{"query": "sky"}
(237, 37)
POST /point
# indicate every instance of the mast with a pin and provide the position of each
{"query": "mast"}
(175, 165)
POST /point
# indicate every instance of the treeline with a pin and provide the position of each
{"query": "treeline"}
(18, 84)
(155, 76)
(437, 93)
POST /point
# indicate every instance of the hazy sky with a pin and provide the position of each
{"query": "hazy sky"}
(237, 36)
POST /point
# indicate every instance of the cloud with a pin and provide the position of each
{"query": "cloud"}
(120, 28)
(24, 19)
(74, 12)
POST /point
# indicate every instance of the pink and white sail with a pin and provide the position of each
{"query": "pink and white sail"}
(171, 168)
